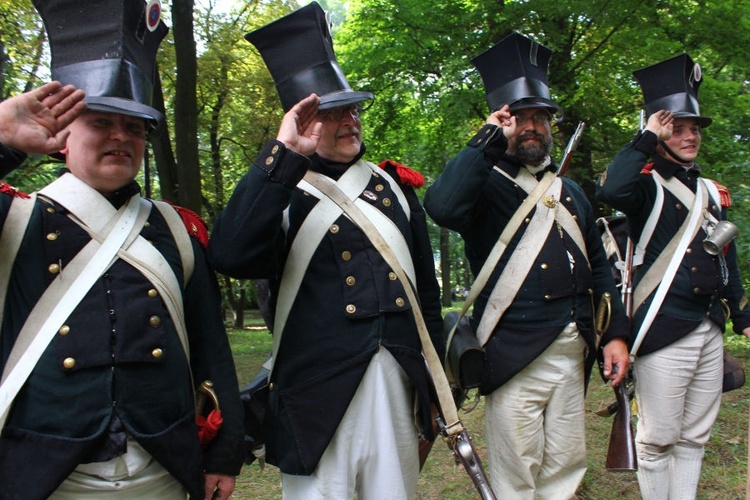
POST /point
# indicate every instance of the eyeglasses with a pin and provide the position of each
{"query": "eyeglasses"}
(337, 114)
(540, 118)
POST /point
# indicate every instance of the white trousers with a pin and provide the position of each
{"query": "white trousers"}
(678, 394)
(374, 451)
(134, 475)
(535, 425)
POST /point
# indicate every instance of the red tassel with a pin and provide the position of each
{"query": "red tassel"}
(6, 188)
(208, 427)
(408, 176)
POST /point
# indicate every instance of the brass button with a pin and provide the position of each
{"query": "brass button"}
(147, 224)
(568, 198)
(387, 202)
(714, 208)
(591, 291)
(350, 280)
(678, 206)
(693, 269)
(400, 302)
(69, 363)
(392, 276)
(270, 386)
(269, 160)
(544, 266)
(334, 229)
(351, 308)
(346, 255)
(51, 210)
(689, 250)
(527, 220)
(153, 293)
(547, 297)
(54, 268)
(379, 187)
(154, 321)
(157, 353)
(53, 236)
(696, 290)
(64, 330)
(575, 216)
(275, 149)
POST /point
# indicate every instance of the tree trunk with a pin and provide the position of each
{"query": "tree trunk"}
(163, 154)
(186, 107)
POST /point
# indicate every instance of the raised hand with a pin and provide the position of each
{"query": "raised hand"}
(661, 123)
(34, 122)
(503, 118)
(300, 128)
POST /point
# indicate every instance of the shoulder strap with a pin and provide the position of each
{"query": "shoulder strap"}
(454, 425)
(61, 298)
(502, 242)
(11, 237)
(662, 272)
(180, 235)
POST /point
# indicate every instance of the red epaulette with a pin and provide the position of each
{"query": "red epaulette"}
(406, 175)
(6, 188)
(194, 224)
(646, 170)
(726, 198)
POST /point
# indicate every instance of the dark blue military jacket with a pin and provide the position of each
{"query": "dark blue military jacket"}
(702, 279)
(349, 304)
(470, 197)
(117, 362)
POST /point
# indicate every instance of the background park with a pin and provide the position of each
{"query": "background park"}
(415, 56)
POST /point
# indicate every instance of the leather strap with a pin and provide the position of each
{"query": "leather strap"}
(62, 297)
(11, 238)
(445, 399)
(669, 260)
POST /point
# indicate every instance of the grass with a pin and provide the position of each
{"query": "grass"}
(724, 467)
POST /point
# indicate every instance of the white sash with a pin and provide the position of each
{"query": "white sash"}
(515, 271)
(314, 228)
(95, 259)
(90, 210)
(692, 225)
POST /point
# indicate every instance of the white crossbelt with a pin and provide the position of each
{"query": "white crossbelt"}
(317, 223)
(94, 260)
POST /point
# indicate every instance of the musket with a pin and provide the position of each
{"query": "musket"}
(465, 454)
(621, 454)
(570, 149)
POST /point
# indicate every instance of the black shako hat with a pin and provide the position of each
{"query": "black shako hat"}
(298, 51)
(108, 49)
(514, 72)
(672, 85)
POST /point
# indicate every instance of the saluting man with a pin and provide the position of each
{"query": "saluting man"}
(678, 319)
(535, 314)
(348, 370)
(111, 312)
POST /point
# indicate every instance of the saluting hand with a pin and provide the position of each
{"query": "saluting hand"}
(661, 123)
(300, 128)
(503, 118)
(34, 122)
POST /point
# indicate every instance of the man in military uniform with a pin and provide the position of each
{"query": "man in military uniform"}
(535, 314)
(111, 312)
(348, 369)
(679, 286)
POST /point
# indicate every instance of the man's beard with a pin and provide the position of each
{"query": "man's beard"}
(533, 153)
